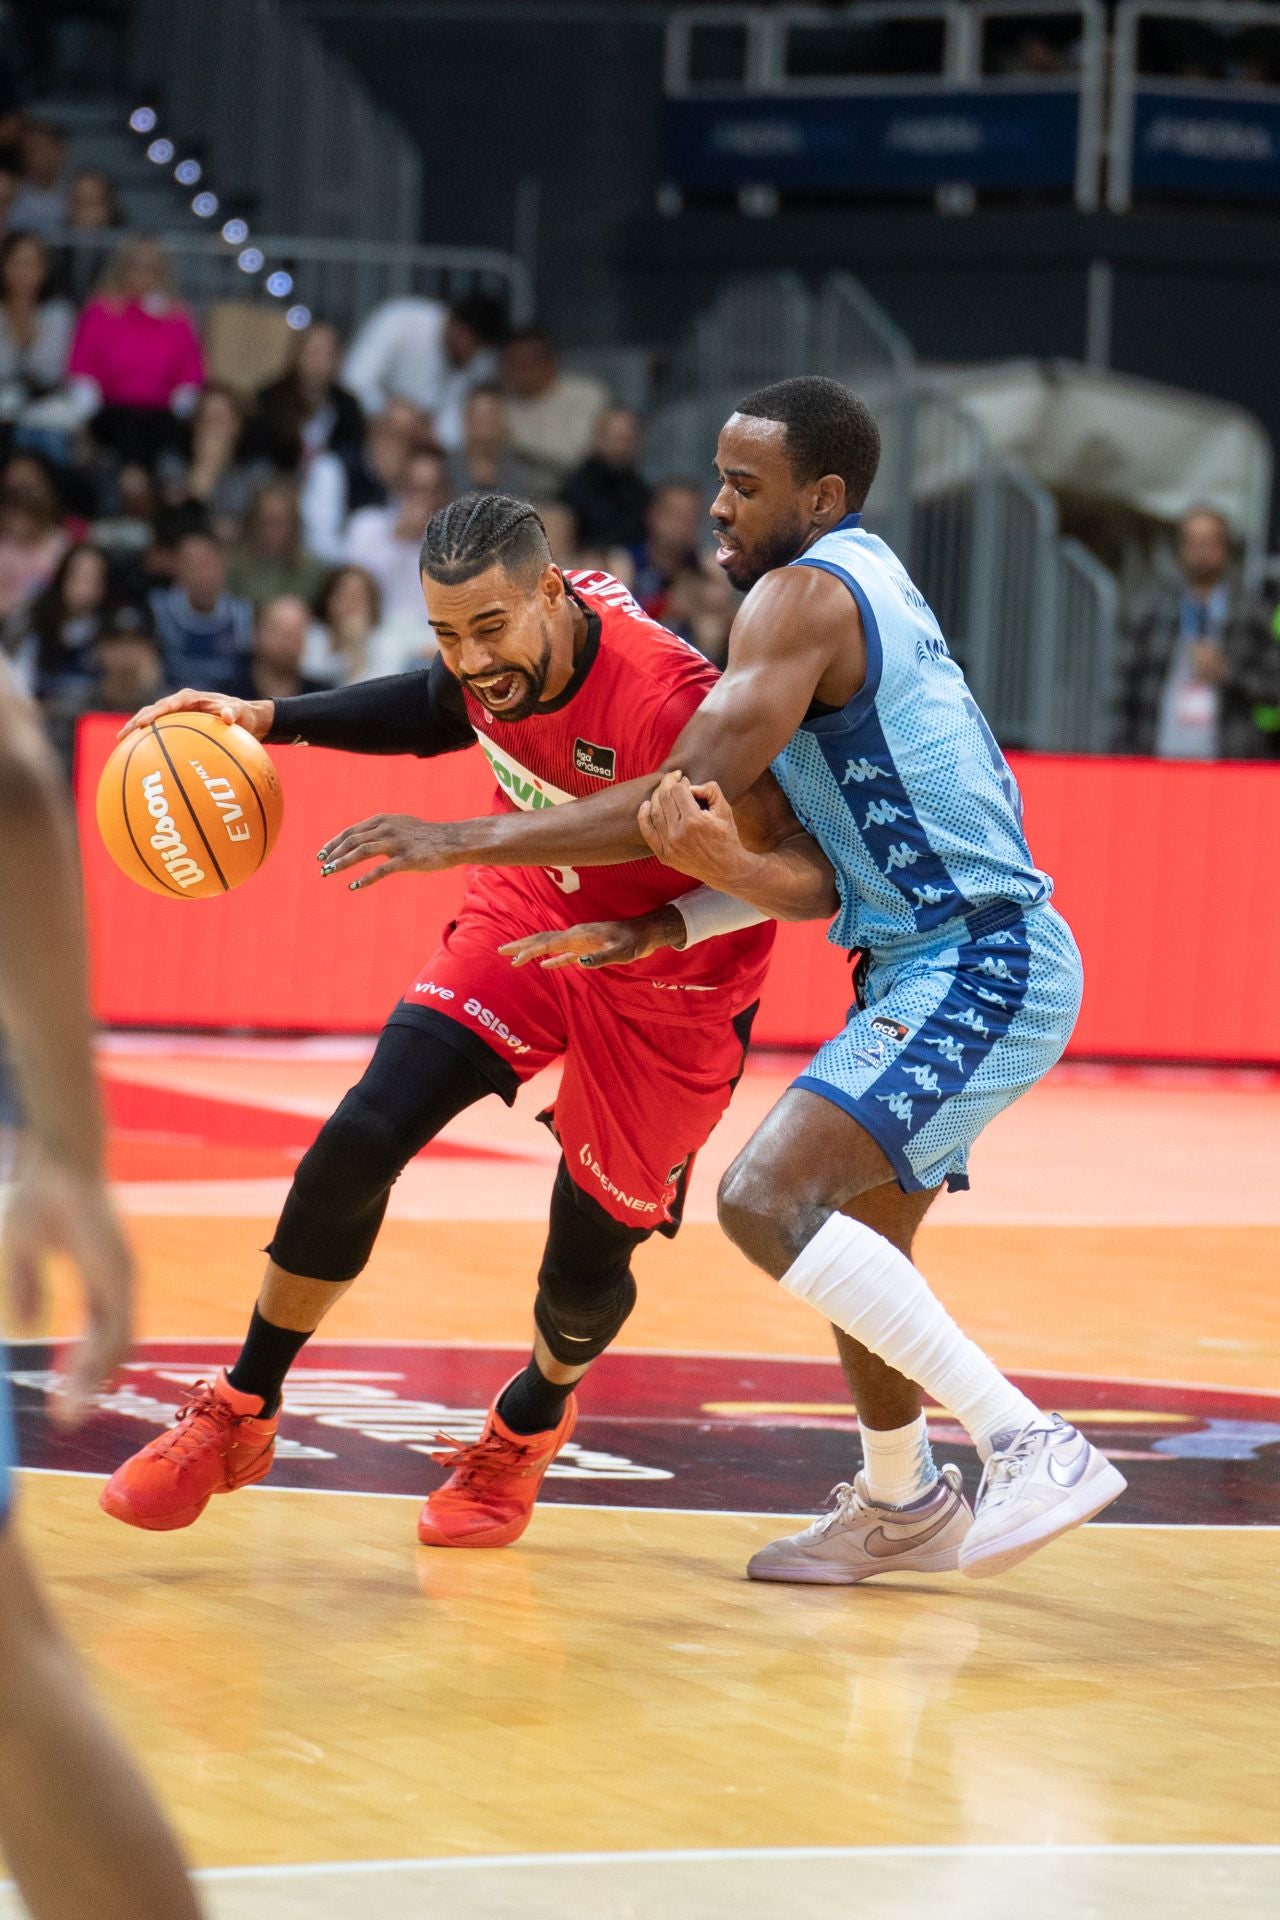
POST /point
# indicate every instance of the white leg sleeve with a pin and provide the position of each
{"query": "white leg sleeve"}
(855, 1278)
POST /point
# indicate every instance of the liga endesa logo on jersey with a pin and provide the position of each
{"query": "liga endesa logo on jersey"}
(600, 763)
(705, 1431)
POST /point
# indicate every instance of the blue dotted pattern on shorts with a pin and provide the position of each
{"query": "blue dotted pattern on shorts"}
(949, 1037)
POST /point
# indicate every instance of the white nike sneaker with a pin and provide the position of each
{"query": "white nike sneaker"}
(858, 1539)
(1042, 1481)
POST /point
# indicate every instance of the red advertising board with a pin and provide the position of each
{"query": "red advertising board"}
(1167, 873)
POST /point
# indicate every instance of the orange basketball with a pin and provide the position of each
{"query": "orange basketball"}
(189, 806)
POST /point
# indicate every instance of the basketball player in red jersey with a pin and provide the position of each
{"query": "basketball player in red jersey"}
(568, 688)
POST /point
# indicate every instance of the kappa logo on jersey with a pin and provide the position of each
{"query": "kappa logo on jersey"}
(891, 1029)
(599, 763)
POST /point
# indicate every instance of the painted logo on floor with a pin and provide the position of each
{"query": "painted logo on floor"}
(709, 1432)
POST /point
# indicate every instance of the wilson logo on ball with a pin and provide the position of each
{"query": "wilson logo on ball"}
(181, 866)
(189, 806)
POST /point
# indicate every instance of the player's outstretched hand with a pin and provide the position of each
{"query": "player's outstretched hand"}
(600, 943)
(693, 830)
(255, 716)
(56, 1209)
(405, 844)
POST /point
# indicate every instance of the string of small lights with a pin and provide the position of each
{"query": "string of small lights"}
(205, 205)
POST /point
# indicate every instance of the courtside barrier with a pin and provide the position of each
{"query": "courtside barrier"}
(1166, 872)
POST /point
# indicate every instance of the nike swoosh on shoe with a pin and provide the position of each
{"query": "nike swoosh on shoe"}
(1072, 1473)
(883, 1546)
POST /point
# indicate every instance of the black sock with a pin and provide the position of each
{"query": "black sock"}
(532, 1403)
(265, 1358)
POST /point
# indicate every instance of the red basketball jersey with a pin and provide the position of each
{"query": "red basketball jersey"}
(634, 687)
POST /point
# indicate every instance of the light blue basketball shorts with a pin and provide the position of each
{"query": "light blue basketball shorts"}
(951, 1035)
(8, 1448)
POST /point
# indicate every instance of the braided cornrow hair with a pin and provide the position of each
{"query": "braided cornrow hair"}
(482, 530)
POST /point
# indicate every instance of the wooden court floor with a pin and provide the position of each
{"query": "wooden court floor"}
(608, 1719)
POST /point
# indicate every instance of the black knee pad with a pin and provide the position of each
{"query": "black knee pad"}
(585, 1288)
(415, 1083)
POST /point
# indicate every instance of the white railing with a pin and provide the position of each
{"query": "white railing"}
(284, 123)
(1127, 83)
(338, 280)
(760, 42)
(1024, 611)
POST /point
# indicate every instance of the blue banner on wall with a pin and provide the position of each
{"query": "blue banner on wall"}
(882, 142)
(1218, 145)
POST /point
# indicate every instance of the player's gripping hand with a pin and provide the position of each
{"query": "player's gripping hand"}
(693, 830)
(57, 1208)
(405, 844)
(600, 943)
(255, 716)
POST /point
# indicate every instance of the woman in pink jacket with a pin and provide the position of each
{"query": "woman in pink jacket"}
(136, 359)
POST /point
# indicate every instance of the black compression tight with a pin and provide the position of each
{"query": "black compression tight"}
(414, 1085)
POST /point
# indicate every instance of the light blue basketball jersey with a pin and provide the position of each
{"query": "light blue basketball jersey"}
(906, 789)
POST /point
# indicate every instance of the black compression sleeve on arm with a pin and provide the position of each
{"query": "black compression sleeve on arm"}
(421, 713)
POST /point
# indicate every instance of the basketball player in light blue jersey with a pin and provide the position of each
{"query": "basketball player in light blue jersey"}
(839, 677)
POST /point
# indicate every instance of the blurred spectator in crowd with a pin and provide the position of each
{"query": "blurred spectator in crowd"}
(676, 518)
(216, 477)
(306, 410)
(484, 463)
(40, 205)
(279, 642)
(95, 215)
(1195, 665)
(341, 482)
(607, 494)
(9, 184)
(270, 560)
(561, 528)
(92, 205)
(428, 353)
(126, 672)
(700, 607)
(206, 632)
(553, 414)
(35, 339)
(352, 641)
(51, 641)
(127, 525)
(136, 358)
(31, 538)
(387, 542)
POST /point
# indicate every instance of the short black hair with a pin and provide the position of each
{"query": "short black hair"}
(484, 315)
(482, 530)
(828, 430)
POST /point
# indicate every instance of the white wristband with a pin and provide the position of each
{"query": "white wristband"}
(707, 913)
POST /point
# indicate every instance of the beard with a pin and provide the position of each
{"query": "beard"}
(533, 681)
(747, 565)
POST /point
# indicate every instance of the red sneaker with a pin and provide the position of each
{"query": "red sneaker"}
(487, 1501)
(219, 1442)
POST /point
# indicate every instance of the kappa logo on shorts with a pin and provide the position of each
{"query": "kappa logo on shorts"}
(891, 1029)
(601, 763)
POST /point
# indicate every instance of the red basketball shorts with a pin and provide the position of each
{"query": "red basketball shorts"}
(648, 1070)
